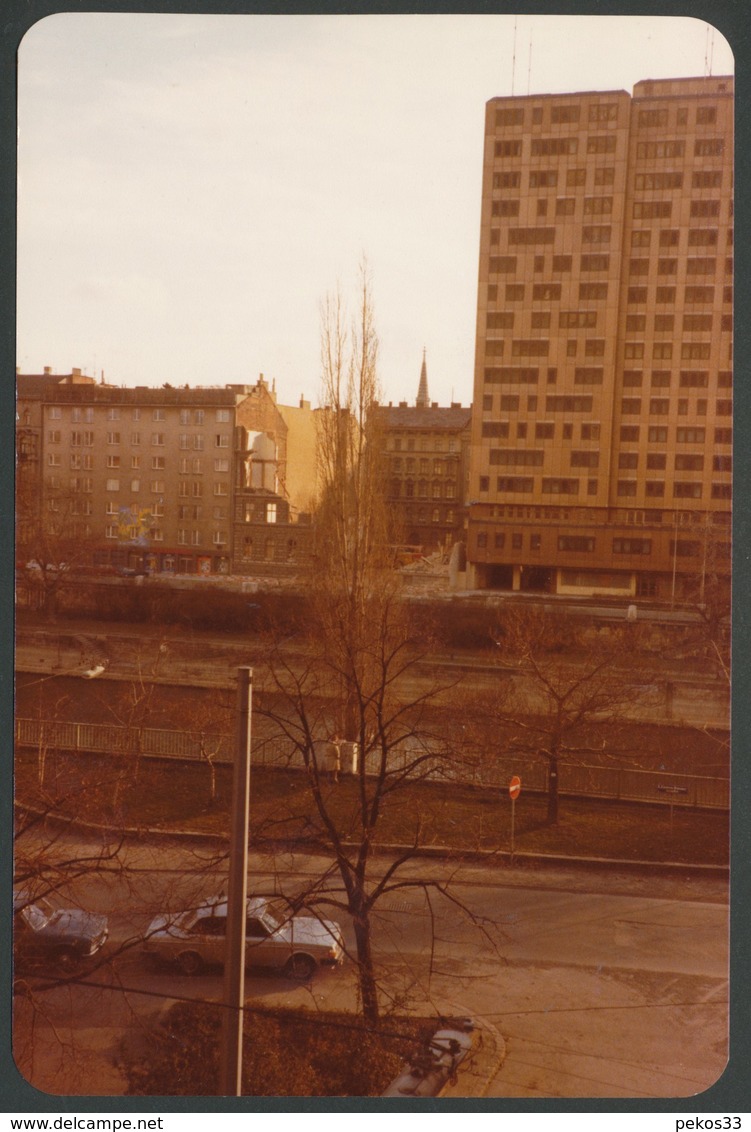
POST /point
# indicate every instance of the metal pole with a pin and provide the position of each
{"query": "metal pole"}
(513, 813)
(230, 1070)
(675, 558)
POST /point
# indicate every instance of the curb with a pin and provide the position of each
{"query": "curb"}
(481, 1067)
(479, 857)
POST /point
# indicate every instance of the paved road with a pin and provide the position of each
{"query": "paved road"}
(601, 984)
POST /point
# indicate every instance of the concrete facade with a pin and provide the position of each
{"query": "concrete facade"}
(602, 432)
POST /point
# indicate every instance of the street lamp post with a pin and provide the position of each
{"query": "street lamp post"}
(230, 1083)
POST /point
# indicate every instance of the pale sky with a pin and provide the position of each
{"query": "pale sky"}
(191, 187)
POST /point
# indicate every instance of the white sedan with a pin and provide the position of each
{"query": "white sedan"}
(294, 944)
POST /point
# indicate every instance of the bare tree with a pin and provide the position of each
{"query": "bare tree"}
(345, 701)
(565, 682)
(51, 540)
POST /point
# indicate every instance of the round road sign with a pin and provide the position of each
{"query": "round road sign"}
(515, 787)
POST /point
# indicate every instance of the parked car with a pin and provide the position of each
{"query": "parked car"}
(64, 937)
(294, 944)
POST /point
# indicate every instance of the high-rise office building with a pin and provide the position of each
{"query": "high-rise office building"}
(602, 429)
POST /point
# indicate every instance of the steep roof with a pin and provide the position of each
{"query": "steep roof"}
(423, 399)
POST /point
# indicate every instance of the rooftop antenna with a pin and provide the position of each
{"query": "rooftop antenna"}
(513, 59)
(529, 65)
(711, 51)
(706, 50)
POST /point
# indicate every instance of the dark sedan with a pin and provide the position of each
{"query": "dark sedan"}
(62, 937)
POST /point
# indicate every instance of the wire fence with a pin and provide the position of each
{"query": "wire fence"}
(604, 780)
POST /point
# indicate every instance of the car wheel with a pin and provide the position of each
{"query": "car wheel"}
(68, 960)
(190, 962)
(300, 968)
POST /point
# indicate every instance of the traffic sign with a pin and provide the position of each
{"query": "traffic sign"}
(514, 787)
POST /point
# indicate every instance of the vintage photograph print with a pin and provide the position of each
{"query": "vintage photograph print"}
(372, 556)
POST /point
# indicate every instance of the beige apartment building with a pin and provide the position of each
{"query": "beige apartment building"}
(145, 474)
(602, 428)
(174, 480)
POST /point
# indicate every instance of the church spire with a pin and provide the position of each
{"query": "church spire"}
(423, 399)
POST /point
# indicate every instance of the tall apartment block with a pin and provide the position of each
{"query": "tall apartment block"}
(602, 427)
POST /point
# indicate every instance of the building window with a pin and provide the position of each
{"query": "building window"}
(596, 234)
(546, 292)
(709, 147)
(158, 415)
(553, 147)
(552, 485)
(603, 112)
(589, 291)
(585, 459)
(660, 149)
(599, 261)
(689, 462)
(601, 143)
(157, 439)
(685, 490)
(543, 179)
(632, 546)
(598, 206)
(506, 180)
(578, 543)
(514, 483)
(508, 149)
(113, 437)
(271, 515)
(690, 435)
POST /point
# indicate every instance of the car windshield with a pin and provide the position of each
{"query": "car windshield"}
(36, 915)
(270, 921)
